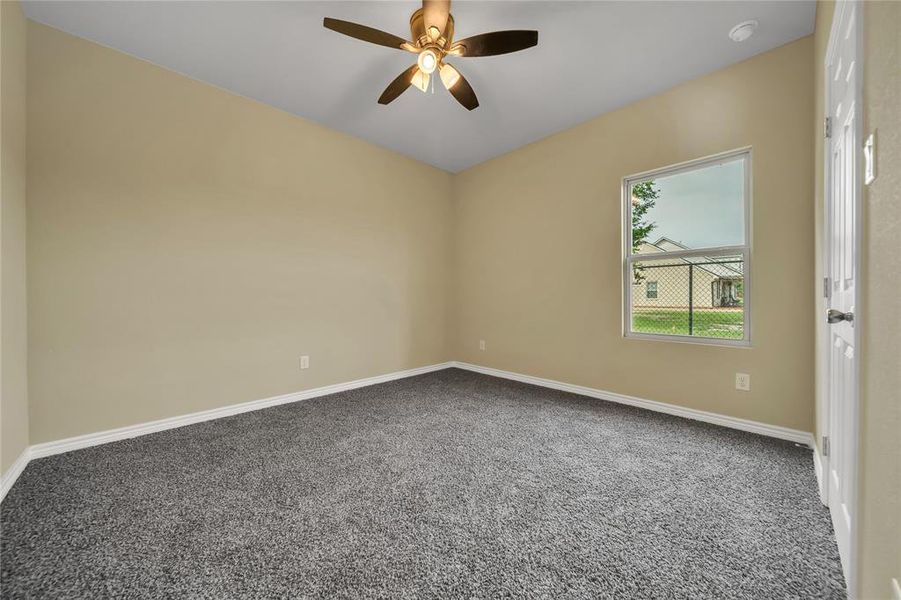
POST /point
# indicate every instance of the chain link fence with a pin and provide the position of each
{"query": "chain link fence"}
(699, 297)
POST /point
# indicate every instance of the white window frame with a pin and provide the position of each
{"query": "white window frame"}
(743, 250)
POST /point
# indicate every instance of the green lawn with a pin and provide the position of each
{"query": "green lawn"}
(723, 324)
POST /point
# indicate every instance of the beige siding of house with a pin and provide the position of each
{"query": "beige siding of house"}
(672, 288)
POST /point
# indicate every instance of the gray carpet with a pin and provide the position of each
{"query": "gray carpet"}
(448, 485)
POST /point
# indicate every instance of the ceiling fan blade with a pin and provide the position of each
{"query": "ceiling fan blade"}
(434, 13)
(398, 86)
(459, 88)
(494, 43)
(367, 34)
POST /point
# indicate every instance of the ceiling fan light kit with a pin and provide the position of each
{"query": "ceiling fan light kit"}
(432, 31)
(427, 61)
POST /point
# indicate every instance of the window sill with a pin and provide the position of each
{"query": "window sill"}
(679, 339)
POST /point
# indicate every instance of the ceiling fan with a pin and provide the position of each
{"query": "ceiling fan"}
(432, 30)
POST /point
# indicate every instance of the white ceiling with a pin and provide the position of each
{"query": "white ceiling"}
(592, 57)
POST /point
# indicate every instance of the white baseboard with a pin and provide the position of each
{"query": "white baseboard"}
(131, 431)
(122, 433)
(9, 478)
(818, 464)
(783, 433)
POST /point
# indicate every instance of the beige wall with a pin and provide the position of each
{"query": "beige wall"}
(13, 319)
(538, 252)
(186, 246)
(880, 434)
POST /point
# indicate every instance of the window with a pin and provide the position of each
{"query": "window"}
(687, 247)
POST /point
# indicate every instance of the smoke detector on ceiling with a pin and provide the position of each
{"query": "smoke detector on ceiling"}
(743, 31)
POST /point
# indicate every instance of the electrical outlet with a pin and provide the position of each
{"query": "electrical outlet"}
(743, 382)
(481, 344)
(304, 362)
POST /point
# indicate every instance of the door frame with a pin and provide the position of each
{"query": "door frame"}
(824, 403)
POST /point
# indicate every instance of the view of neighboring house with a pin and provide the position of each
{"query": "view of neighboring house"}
(714, 282)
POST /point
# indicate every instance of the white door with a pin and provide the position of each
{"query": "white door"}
(841, 241)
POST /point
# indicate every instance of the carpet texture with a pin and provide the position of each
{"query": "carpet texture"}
(446, 485)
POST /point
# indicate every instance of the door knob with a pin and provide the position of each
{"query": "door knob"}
(837, 316)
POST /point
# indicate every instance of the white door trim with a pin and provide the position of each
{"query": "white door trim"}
(855, 28)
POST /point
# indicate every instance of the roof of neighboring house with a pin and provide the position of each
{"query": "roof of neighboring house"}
(722, 271)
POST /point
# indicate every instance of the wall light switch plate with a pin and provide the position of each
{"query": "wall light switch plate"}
(304, 362)
(481, 344)
(869, 159)
(743, 382)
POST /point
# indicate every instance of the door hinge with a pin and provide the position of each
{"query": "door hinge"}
(826, 287)
(825, 445)
(827, 127)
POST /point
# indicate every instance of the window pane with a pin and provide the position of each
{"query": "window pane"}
(702, 208)
(697, 296)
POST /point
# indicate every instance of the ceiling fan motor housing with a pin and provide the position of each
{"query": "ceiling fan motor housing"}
(421, 36)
